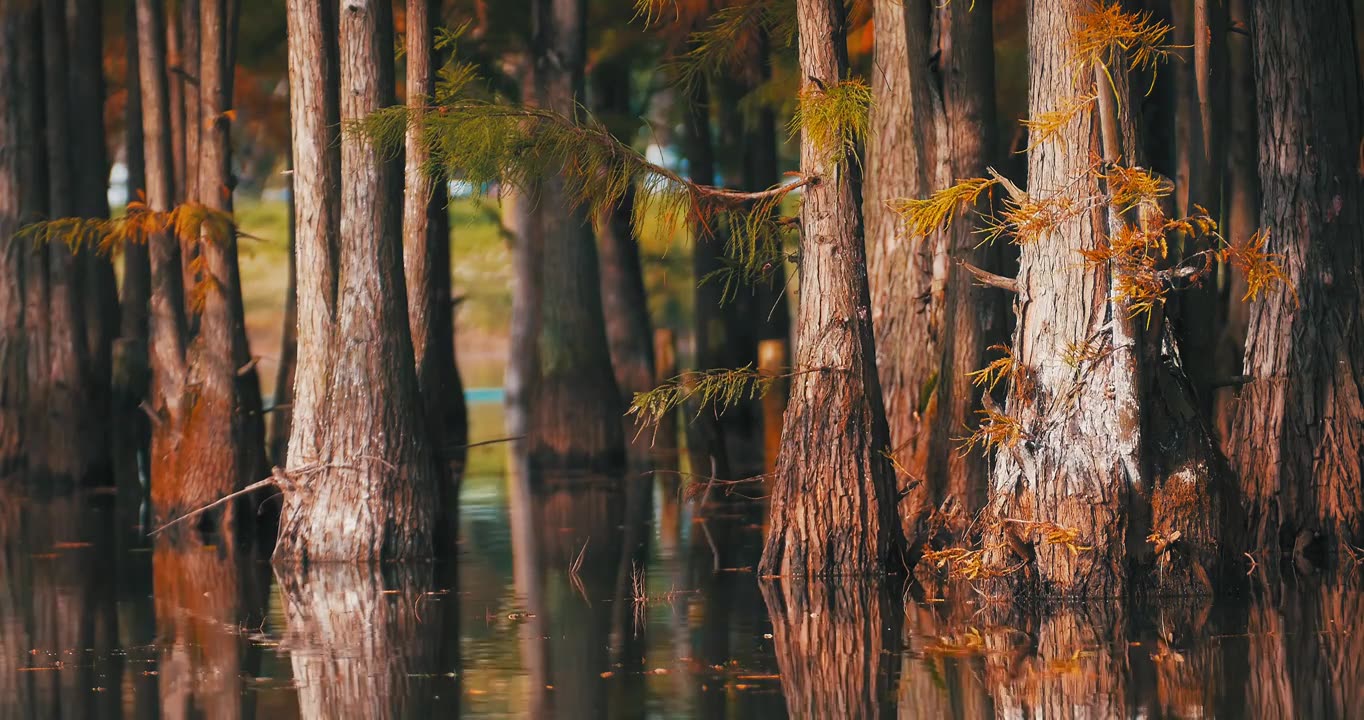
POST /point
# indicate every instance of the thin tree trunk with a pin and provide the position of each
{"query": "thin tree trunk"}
(178, 65)
(426, 258)
(972, 315)
(95, 270)
(575, 404)
(901, 148)
(363, 475)
(1298, 438)
(33, 206)
(190, 133)
(282, 410)
(624, 304)
(522, 222)
(761, 170)
(70, 404)
(12, 372)
(833, 500)
(131, 357)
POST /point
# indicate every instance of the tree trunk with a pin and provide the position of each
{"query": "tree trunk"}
(833, 500)
(12, 340)
(362, 476)
(624, 303)
(188, 136)
(575, 405)
(523, 223)
(70, 404)
(282, 410)
(94, 270)
(180, 62)
(1298, 438)
(972, 316)
(426, 259)
(130, 356)
(1111, 447)
(901, 148)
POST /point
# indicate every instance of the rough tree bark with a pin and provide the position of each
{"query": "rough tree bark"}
(1298, 438)
(833, 500)
(426, 258)
(901, 148)
(1111, 446)
(575, 404)
(361, 475)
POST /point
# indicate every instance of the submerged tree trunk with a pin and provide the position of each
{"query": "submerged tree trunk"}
(901, 148)
(1298, 437)
(361, 479)
(575, 405)
(833, 500)
(1110, 447)
(426, 258)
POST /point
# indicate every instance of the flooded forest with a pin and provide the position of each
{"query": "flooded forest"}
(681, 358)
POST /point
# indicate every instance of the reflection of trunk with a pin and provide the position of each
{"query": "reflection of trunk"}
(426, 260)
(835, 646)
(364, 642)
(1299, 431)
(363, 475)
(1114, 448)
(199, 606)
(833, 500)
(940, 675)
(575, 405)
(1067, 663)
(624, 304)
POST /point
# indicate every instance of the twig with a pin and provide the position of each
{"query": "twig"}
(272, 480)
(481, 443)
(989, 279)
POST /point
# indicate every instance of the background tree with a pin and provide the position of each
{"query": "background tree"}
(1298, 437)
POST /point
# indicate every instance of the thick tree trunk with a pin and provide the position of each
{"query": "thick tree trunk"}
(575, 405)
(32, 198)
(426, 259)
(833, 500)
(1111, 447)
(1298, 438)
(522, 222)
(906, 305)
(624, 304)
(362, 475)
(972, 315)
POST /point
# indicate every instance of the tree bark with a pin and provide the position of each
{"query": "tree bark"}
(833, 500)
(426, 258)
(625, 306)
(12, 339)
(188, 135)
(1112, 448)
(362, 475)
(1298, 437)
(70, 403)
(522, 222)
(282, 410)
(575, 405)
(901, 147)
(972, 316)
(130, 355)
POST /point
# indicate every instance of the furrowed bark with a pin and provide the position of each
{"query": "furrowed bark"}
(426, 258)
(1298, 438)
(833, 500)
(363, 488)
(901, 148)
(575, 405)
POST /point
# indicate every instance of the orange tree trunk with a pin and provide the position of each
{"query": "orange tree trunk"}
(1298, 437)
(362, 475)
(575, 406)
(833, 497)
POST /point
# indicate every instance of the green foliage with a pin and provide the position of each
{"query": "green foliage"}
(716, 389)
(833, 118)
(731, 34)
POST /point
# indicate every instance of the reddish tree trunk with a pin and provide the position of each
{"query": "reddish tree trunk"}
(1298, 438)
(362, 476)
(833, 499)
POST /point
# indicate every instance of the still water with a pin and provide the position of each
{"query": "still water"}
(558, 606)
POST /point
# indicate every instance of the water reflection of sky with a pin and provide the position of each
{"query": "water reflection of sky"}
(560, 607)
